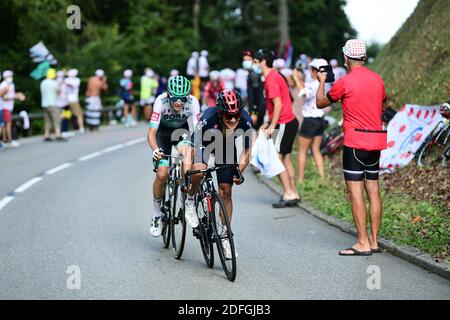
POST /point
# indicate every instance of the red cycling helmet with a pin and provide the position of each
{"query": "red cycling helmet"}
(229, 102)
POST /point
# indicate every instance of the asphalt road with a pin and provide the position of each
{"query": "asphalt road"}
(94, 213)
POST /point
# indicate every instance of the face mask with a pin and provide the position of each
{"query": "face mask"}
(256, 69)
(247, 64)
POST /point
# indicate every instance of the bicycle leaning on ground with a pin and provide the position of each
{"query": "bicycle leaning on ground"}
(172, 208)
(437, 146)
(214, 223)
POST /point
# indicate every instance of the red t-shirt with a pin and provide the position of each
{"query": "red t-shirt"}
(276, 86)
(362, 95)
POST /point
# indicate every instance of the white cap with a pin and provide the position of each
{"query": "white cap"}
(279, 63)
(60, 74)
(174, 73)
(128, 73)
(8, 74)
(100, 73)
(194, 54)
(333, 63)
(149, 72)
(204, 53)
(286, 72)
(72, 73)
(214, 75)
(355, 49)
(317, 63)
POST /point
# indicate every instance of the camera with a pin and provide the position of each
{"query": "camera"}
(330, 74)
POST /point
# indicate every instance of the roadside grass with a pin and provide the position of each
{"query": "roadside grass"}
(406, 221)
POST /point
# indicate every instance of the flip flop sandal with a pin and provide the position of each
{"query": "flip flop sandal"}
(355, 253)
(377, 250)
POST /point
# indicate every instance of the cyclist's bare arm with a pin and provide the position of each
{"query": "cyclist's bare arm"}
(151, 137)
(322, 100)
(244, 159)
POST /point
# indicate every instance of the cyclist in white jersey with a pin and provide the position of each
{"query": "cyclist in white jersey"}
(171, 112)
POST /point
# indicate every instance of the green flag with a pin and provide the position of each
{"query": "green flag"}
(41, 71)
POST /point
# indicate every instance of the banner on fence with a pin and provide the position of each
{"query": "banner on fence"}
(406, 133)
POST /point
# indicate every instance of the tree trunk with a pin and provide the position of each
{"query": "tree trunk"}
(283, 24)
(196, 15)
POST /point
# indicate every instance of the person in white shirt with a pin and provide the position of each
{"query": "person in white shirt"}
(7, 96)
(73, 88)
(203, 69)
(313, 125)
(228, 76)
(192, 66)
(241, 83)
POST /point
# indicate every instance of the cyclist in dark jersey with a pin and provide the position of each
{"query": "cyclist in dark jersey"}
(216, 133)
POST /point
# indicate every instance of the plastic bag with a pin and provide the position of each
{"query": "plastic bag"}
(265, 157)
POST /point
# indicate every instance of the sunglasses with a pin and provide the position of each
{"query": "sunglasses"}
(181, 99)
(228, 117)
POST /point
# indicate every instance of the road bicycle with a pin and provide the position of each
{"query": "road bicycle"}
(172, 208)
(436, 147)
(214, 224)
(332, 139)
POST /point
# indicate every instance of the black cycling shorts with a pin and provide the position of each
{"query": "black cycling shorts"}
(359, 165)
(312, 127)
(285, 138)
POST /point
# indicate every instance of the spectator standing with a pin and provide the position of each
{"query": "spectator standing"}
(192, 66)
(255, 90)
(363, 98)
(126, 94)
(313, 124)
(52, 115)
(62, 103)
(228, 76)
(96, 85)
(73, 89)
(149, 86)
(7, 96)
(213, 88)
(241, 83)
(282, 119)
(203, 69)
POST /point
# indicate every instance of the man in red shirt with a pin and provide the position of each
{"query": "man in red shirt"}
(363, 100)
(282, 119)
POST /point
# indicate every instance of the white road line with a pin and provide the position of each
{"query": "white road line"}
(136, 141)
(113, 148)
(90, 156)
(5, 201)
(59, 168)
(27, 185)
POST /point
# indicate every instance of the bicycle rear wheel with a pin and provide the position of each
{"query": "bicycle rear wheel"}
(223, 236)
(166, 209)
(177, 221)
(204, 233)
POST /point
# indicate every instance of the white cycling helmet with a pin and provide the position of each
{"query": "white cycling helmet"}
(214, 75)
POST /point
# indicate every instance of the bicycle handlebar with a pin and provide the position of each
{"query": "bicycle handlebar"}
(190, 173)
(167, 156)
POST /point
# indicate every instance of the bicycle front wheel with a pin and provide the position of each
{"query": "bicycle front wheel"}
(166, 209)
(434, 148)
(178, 222)
(204, 231)
(223, 236)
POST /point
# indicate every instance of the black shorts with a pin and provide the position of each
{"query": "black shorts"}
(359, 165)
(312, 127)
(285, 138)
